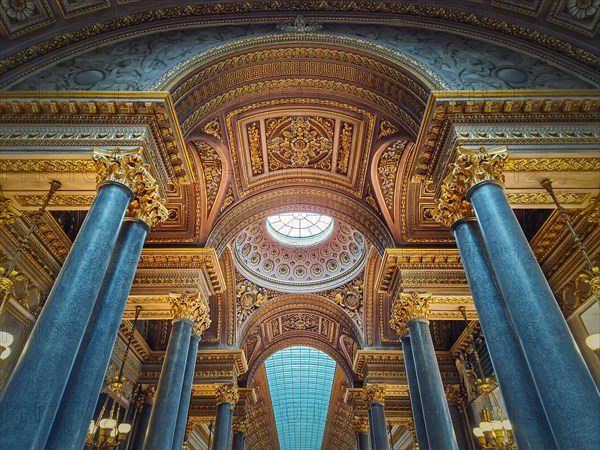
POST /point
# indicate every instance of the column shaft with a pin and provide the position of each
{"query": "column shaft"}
(31, 397)
(438, 424)
(223, 426)
(85, 382)
(140, 427)
(565, 386)
(524, 408)
(362, 440)
(377, 424)
(186, 393)
(459, 429)
(161, 427)
(415, 396)
(238, 441)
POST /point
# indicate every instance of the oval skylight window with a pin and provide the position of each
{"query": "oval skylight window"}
(300, 228)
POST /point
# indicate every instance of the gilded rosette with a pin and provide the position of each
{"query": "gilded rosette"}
(451, 205)
(414, 305)
(192, 306)
(148, 205)
(361, 424)
(239, 424)
(227, 393)
(398, 320)
(373, 393)
(474, 166)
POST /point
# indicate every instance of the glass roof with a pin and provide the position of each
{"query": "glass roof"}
(300, 228)
(300, 381)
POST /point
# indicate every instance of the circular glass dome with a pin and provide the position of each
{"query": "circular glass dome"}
(300, 229)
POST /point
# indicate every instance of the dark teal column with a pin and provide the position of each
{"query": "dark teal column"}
(238, 440)
(223, 426)
(523, 405)
(362, 439)
(186, 393)
(85, 383)
(564, 384)
(161, 427)
(371, 436)
(436, 414)
(31, 398)
(140, 426)
(415, 396)
(377, 424)
(361, 427)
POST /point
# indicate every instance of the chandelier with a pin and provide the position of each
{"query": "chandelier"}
(110, 432)
(494, 431)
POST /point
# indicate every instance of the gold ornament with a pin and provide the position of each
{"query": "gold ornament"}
(398, 319)
(125, 167)
(414, 305)
(239, 424)
(8, 213)
(227, 393)
(474, 166)
(361, 424)
(373, 393)
(149, 206)
(451, 205)
(192, 306)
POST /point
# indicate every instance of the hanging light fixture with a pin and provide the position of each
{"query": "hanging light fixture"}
(494, 430)
(109, 432)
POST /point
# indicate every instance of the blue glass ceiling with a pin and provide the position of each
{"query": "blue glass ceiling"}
(300, 381)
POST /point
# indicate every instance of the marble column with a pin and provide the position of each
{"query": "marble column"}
(186, 392)
(238, 427)
(565, 386)
(187, 309)
(31, 398)
(413, 309)
(524, 408)
(77, 406)
(456, 399)
(227, 397)
(374, 397)
(361, 427)
(144, 400)
(413, 387)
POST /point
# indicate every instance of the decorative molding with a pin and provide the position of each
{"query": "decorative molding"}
(19, 17)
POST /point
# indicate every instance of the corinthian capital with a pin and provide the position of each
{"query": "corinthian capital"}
(398, 319)
(414, 305)
(239, 424)
(373, 393)
(192, 306)
(148, 206)
(474, 166)
(451, 205)
(227, 393)
(361, 424)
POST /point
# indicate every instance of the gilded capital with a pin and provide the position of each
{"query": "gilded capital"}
(414, 305)
(148, 205)
(451, 205)
(239, 424)
(227, 393)
(361, 424)
(373, 393)
(398, 319)
(8, 213)
(474, 166)
(192, 306)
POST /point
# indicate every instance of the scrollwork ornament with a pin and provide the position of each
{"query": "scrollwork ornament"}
(374, 393)
(474, 166)
(415, 305)
(227, 393)
(192, 306)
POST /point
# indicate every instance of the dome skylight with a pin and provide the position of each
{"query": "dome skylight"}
(300, 228)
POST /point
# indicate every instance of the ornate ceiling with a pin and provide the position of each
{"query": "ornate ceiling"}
(354, 113)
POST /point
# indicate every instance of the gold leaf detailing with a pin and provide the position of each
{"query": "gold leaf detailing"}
(255, 148)
(386, 128)
(553, 165)
(350, 298)
(543, 198)
(239, 424)
(212, 169)
(412, 306)
(227, 393)
(593, 214)
(398, 319)
(387, 168)
(249, 298)
(213, 128)
(47, 165)
(474, 166)
(373, 393)
(124, 167)
(452, 206)
(345, 147)
(361, 424)
(8, 213)
(56, 201)
(148, 206)
(229, 199)
(192, 306)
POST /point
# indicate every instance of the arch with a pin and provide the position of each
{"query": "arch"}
(299, 320)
